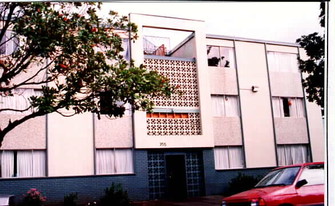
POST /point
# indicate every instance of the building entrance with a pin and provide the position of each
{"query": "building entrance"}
(176, 177)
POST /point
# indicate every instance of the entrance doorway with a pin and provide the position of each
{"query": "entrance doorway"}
(176, 177)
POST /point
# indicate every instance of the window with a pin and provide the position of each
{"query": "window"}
(27, 163)
(225, 106)
(288, 107)
(8, 43)
(314, 174)
(282, 62)
(228, 157)
(221, 57)
(18, 101)
(114, 161)
(292, 154)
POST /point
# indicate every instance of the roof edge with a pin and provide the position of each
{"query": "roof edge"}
(214, 36)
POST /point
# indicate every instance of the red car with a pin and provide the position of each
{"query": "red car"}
(301, 184)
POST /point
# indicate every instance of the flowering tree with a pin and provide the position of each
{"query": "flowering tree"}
(73, 57)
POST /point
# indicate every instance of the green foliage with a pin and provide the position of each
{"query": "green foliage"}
(75, 58)
(241, 183)
(115, 195)
(314, 45)
(33, 198)
(70, 199)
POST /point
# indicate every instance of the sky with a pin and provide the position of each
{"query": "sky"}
(273, 21)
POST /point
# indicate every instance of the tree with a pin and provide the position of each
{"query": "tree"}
(74, 57)
(314, 45)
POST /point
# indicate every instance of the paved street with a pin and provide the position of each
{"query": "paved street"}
(197, 201)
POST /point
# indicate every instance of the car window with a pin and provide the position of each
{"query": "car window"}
(284, 176)
(314, 174)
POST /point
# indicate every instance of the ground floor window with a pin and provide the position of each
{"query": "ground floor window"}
(228, 157)
(114, 161)
(293, 154)
(27, 163)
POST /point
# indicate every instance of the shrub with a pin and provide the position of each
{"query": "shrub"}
(70, 199)
(116, 196)
(33, 198)
(241, 183)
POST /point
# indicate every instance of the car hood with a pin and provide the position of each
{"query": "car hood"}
(255, 193)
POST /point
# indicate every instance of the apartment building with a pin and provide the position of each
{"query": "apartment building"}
(242, 110)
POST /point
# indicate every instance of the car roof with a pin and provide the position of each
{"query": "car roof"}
(300, 165)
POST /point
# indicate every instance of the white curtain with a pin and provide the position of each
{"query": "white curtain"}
(24, 164)
(7, 163)
(19, 100)
(225, 106)
(105, 162)
(123, 161)
(39, 164)
(299, 107)
(231, 106)
(278, 110)
(117, 161)
(221, 158)
(126, 50)
(218, 106)
(292, 154)
(236, 157)
(228, 157)
(282, 62)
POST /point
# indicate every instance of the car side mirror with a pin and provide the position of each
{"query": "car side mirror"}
(301, 183)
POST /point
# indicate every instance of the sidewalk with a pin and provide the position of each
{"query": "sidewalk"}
(196, 201)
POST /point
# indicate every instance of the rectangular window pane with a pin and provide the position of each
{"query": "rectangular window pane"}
(114, 161)
(227, 57)
(282, 62)
(218, 107)
(292, 154)
(225, 106)
(7, 163)
(213, 55)
(228, 157)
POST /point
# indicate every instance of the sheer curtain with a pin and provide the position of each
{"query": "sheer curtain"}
(228, 157)
(277, 103)
(282, 62)
(24, 164)
(124, 161)
(19, 100)
(7, 163)
(231, 105)
(236, 157)
(114, 161)
(105, 162)
(292, 154)
(300, 107)
(218, 107)
(221, 158)
(39, 164)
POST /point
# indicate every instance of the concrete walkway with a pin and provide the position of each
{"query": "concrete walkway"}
(196, 201)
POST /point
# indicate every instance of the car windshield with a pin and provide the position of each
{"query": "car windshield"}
(284, 176)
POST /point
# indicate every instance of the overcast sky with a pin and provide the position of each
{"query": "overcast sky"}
(274, 21)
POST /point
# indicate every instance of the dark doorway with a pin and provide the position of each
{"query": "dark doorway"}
(176, 177)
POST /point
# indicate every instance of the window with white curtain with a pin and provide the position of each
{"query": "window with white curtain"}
(282, 62)
(114, 161)
(27, 163)
(19, 100)
(292, 154)
(229, 157)
(288, 107)
(219, 56)
(225, 106)
(8, 43)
